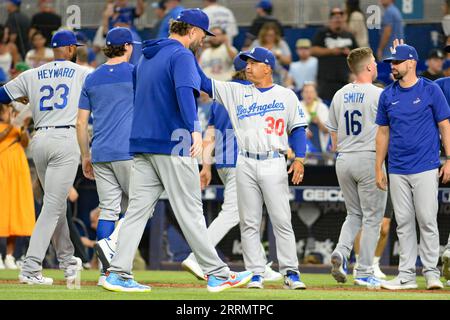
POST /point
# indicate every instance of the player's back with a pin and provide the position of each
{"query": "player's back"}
(53, 90)
(352, 115)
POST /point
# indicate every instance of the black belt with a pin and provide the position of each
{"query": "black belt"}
(55, 127)
(262, 156)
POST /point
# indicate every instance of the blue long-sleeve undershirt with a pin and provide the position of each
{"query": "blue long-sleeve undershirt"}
(4, 98)
(206, 83)
(297, 141)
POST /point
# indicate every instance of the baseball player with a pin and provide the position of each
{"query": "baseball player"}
(352, 125)
(444, 84)
(53, 90)
(262, 115)
(411, 113)
(226, 152)
(164, 124)
(108, 94)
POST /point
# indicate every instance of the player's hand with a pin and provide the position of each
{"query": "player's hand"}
(396, 43)
(23, 100)
(298, 169)
(445, 172)
(197, 144)
(381, 179)
(205, 178)
(88, 169)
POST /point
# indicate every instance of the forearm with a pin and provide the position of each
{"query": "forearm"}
(321, 51)
(83, 138)
(230, 51)
(285, 60)
(382, 142)
(188, 108)
(384, 39)
(208, 147)
(140, 7)
(334, 140)
(4, 133)
(444, 128)
(206, 83)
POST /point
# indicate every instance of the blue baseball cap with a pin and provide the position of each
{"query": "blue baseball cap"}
(238, 63)
(65, 38)
(259, 54)
(197, 18)
(118, 36)
(15, 2)
(265, 5)
(403, 52)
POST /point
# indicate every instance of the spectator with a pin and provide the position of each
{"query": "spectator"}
(217, 60)
(270, 38)
(119, 10)
(391, 28)
(173, 9)
(435, 63)
(9, 55)
(39, 55)
(46, 21)
(16, 195)
(220, 16)
(316, 114)
(264, 11)
(159, 9)
(18, 25)
(305, 69)
(356, 23)
(446, 19)
(331, 45)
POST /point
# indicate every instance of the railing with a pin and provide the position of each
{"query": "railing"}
(295, 13)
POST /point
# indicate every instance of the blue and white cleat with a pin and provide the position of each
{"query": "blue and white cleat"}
(292, 281)
(257, 282)
(369, 282)
(105, 250)
(236, 279)
(116, 283)
(339, 267)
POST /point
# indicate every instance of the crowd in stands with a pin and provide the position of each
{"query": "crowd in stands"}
(321, 68)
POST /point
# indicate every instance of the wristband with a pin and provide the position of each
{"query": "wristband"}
(301, 160)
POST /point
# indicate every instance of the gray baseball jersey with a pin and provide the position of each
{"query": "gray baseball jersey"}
(53, 90)
(352, 115)
(261, 120)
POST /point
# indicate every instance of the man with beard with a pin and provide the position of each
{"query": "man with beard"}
(165, 140)
(412, 112)
(217, 60)
(53, 90)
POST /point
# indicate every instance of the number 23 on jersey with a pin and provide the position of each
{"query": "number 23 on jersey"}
(53, 98)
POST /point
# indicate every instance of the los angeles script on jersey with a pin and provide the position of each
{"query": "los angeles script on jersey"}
(261, 110)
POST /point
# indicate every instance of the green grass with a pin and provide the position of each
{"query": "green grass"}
(173, 285)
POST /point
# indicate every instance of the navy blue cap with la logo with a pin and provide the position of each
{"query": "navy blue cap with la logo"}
(259, 54)
(197, 18)
(403, 52)
(119, 36)
(65, 38)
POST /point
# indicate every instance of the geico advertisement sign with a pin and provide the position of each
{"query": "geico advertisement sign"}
(331, 195)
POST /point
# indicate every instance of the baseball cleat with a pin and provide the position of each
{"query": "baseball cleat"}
(377, 271)
(105, 250)
(399, 284)
(369, 282)
(191, 266)
(116, 283)
(35, 279)
(339, 267)
(447, 283)
(446, 264)
(292, 281)
(270, 274)
(256, 282)
(236, 279)
(434, 284)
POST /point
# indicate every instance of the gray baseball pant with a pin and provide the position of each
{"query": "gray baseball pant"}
(365, 205)
(113, 183)
(228, 217)
(151, 174)
(259, 182)
(415, 196)
(56, 156)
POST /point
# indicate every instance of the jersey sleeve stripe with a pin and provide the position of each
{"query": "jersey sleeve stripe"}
(9, 93)
(213, 82)
(330, 127)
